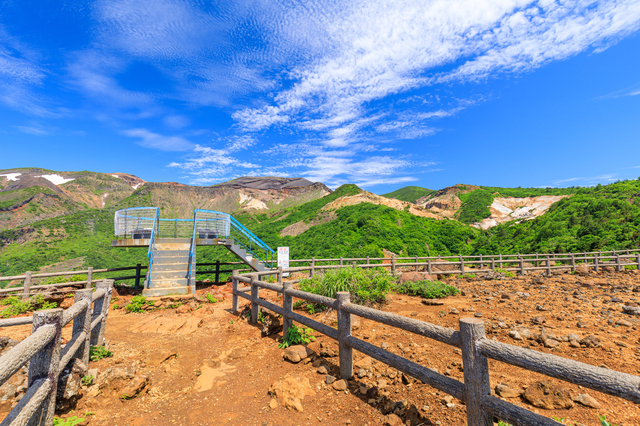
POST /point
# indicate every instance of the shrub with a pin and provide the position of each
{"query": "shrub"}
(96, 353)
(211, 299)
(508, 274)
(136, 304)
(63, 279)
(296, 336)
(87, 380)
(427, 289)
(69, 421)
(18, 306)
(365, 286)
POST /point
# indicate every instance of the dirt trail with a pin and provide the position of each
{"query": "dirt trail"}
(210, 367)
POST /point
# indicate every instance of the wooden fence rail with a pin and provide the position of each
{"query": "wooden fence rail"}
(471, 338)
(28, 285)
(46, 358)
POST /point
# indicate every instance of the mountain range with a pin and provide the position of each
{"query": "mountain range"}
(55, 219)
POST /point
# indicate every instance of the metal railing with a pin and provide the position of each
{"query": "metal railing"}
(251, 243)
(45, 355)
(471, 338)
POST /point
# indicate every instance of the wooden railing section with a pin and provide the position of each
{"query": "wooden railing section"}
(481, 406)
(29, 287)
(45, 355)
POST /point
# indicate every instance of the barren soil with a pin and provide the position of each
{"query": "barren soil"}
(210, 367)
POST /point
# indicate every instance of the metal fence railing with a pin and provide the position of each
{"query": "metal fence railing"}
(45, 355)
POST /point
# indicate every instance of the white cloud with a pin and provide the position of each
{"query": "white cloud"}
(154, 140)
(372, 50)
(32, 130)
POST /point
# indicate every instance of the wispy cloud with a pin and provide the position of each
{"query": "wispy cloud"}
(588, 181)
(33, 130)
(154, 140)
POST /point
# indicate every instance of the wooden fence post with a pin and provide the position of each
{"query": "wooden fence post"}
(416, 263)
(234, 295)
(493, 263)
(89, 277)
(573, 263)
(618, 264)
(313, 267)
(353, 264)
(255, 293)
(522, 271)
(82, 323)
(138, 270)
(461, 266)
(287, 307)
(596, 263)
(393, 265)
(476, 371)
(341, 261)
(218, 271)
(344, 331)
(45, 365)
(367, 260)
(638, 260)
(537, 261)
(101, 307)
(500, 261)
(548, 266)
(27, 285)
(481, 264)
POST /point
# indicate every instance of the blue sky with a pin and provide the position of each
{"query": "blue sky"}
(378, 93)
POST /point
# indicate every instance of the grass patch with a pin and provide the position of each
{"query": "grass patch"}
(365, 287)
(137, 303)
(18, 306)
(96, 353)
(296, 336)
(508, 274)
(427, 289)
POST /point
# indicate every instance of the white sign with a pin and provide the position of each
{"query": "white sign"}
(283, 259)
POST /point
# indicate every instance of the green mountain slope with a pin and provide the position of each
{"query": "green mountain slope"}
(410, 194)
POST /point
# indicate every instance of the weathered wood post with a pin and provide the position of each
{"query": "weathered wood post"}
(234, 286)
(461, 266)
(476, 371)
(537, 261)
(27, 285)
(548, 266)
(101, 307)
(341, 262)
(138, 273)
(481, 264)
(312, 271)
(393, 265)
(89, 277)
(353, 264)
(218, 271)
(255, 293)
(522, 271)
(287, 306)
(596, 263)
(493, 263)
(500, 261)
(344, 331)
(618, 264)
(638, 260)
(416, 263)
(573, 263)
(367, 260)
(82, 323)
(45, 365)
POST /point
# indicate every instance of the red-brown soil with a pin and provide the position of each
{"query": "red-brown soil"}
(217, 369)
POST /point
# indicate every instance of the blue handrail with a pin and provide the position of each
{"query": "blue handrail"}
(152, 243)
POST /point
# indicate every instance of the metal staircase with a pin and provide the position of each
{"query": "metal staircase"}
(172, 245)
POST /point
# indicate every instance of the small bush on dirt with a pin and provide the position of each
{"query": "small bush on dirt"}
(69, 421)
(604, 422)
(366, 287)
(87, 380)
(137, 303)
(468, 275)
(427, 289)
(508, 274)
(63, 279)
(18, 306)
(296, 336)
(211, 299)
(96, 353)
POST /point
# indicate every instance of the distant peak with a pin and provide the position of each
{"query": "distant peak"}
(266, 182)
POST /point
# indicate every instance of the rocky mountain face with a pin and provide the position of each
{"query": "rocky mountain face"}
(28, 195)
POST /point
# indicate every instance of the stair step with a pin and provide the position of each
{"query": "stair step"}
(168, 283)
(167, 275)
(178, 266)
(171, 252)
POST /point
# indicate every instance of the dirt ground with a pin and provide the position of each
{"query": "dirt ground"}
(210, 366)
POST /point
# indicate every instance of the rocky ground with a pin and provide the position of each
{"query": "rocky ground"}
(194, 362)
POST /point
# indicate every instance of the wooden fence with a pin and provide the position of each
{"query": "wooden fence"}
(45, 355)
(28, 285)
(475, 391)
(519, 263)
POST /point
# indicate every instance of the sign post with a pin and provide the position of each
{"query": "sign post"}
(283, 259)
